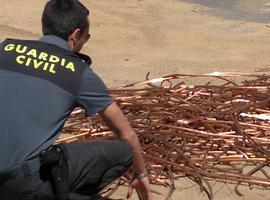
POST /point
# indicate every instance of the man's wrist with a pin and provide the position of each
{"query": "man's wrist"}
(141, 175)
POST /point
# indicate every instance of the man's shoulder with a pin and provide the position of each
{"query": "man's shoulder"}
(45, 61)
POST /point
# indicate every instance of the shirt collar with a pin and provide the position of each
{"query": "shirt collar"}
(55, 40)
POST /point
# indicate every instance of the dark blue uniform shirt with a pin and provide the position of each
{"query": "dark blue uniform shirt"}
(41, 82)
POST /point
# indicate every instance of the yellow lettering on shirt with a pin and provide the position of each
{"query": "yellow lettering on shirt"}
(31, 57)
(54, 59)
(9, 47)
(20, 59)
(32, 52)
(45, 67)
(43, 56)
(70, 66)
(37, 63)
(21, 49)
(28, 61)
(52, 70)
(63, 62)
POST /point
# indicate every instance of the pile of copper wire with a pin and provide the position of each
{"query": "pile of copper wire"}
(212, 131)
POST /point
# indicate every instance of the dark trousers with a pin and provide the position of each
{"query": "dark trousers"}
(91, 167)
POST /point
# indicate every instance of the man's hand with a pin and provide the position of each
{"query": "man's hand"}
(142, 187)
(116, 120)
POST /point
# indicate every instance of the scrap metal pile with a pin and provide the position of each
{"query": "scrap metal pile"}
(204, 132)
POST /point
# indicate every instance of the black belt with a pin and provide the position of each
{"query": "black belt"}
(25, 169)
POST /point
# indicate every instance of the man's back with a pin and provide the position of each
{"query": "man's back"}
(37, 91)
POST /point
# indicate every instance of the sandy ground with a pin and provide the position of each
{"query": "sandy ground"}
(133, 37)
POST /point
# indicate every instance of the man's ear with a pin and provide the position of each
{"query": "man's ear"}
(73, 38)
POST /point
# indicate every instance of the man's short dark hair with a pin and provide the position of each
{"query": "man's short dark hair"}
(62, 17)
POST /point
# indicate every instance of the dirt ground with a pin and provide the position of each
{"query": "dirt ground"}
(132, 37)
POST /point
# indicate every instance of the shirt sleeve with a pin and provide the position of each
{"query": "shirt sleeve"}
(93, 95)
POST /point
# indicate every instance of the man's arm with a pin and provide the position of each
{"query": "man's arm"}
(94, 97)
(116, 120)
